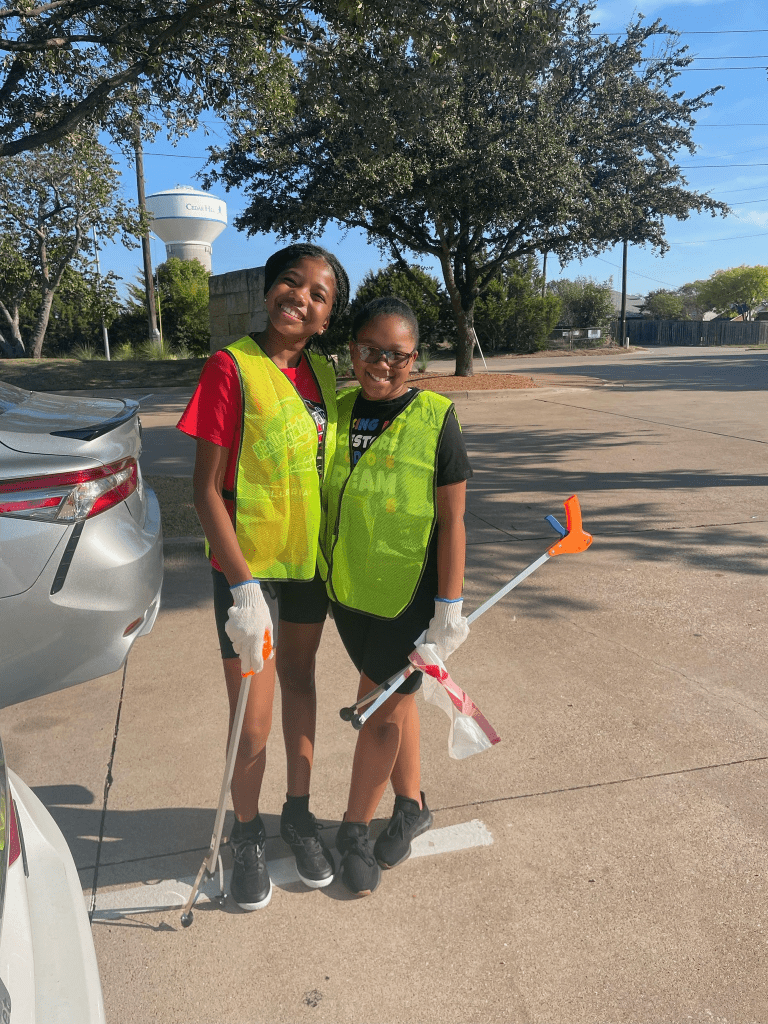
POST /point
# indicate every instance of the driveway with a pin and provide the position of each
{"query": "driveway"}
(607, 860)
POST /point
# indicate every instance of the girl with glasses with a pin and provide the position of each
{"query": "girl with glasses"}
(392, 549)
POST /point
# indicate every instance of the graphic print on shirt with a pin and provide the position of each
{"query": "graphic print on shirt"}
(363, 431)
(317, 411)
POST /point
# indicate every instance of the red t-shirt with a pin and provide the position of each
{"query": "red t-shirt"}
(214, 410)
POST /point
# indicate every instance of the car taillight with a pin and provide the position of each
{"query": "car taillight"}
(69, 497)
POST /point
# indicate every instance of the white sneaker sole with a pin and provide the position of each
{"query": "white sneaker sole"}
(315, 883)
(256, 906)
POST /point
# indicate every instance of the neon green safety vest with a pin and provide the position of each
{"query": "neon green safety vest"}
(277, 487)
(378, 517)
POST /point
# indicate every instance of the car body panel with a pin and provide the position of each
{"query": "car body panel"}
(28, 416)
(69, 591)
(47, 959)
(114, 579)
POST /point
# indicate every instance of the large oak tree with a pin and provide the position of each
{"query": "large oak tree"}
(497, 131)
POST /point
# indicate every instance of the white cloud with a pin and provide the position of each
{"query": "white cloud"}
(759, 217)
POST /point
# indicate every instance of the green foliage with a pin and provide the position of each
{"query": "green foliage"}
(137, 66)
(734, 291)
(182, 288)
(512, 314)
(50, 201)
(488, 132)
(182, 292)
(585, 302)
(415, 286)
(423, 358)
(690, 297)
(86, 353)
(664, 305)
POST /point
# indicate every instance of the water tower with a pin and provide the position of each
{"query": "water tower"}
(188, 221)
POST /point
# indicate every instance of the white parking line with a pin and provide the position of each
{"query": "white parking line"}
(172, 893)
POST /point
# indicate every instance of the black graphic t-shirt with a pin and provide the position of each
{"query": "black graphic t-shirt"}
(317, 411)
(370, 419)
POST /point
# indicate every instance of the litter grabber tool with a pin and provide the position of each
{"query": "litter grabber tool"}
(213, 856)
(573, 539)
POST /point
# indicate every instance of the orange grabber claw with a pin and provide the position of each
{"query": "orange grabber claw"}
(576, 539)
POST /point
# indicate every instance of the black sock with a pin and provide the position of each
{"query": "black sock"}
(296, 807)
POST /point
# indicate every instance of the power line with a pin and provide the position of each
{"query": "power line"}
(733, 191)
(692, 32)
(634, 273)
(730, 238)
(746, 67)
(697, 167)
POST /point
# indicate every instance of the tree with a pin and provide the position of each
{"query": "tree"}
(71, 63)
(735, 291)
(49, 202)
(513, 314)
(183, 296)
(521, 132)
(664, 305)
(80, 304)
(690, 297)
(419, 289)
(585, 302)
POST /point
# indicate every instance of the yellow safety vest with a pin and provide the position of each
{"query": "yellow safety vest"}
(277, 487)
(378, 517)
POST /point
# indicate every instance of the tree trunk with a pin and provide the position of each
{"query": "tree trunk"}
(465, 340)
(38, 335)
(12, 348)
(465, 343)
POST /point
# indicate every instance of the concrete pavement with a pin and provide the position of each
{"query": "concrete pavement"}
(626, 880)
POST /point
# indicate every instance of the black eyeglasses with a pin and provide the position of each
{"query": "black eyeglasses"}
(369, 354)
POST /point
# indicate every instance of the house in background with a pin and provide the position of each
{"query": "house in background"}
(634, 302)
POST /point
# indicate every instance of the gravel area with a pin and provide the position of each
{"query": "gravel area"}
(445, 382)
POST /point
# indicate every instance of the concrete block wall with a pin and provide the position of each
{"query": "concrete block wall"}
(236, 305)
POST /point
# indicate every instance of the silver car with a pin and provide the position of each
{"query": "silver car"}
(80, 574)
(80, 540)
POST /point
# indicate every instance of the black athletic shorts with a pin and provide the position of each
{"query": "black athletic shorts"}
(304, 601)
(380, 647)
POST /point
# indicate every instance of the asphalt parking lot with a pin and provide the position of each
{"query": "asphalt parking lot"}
(605, 863)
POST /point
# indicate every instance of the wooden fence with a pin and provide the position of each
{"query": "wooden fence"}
(696, 332)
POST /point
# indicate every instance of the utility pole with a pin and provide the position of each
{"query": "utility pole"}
(623, 320)
(544, 274)
(149, 284)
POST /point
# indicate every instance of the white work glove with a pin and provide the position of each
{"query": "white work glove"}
(249, 626)
(448, 629)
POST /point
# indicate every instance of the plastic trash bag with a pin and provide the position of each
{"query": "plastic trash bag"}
(471, 732)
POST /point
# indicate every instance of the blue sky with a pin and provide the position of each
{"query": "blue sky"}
(730, 43)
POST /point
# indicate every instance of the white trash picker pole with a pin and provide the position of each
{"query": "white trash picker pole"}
(213, 855)
(572, 540)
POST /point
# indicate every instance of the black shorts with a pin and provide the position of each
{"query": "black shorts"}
(304, 601)
(380, 647)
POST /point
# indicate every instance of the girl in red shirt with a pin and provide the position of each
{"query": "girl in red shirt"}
(304, 288)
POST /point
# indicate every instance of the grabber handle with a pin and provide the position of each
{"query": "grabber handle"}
(576, 539)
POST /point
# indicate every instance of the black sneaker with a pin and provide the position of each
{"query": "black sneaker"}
(314, 861)
(359, 870)
(251, 886)
(393, 845)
